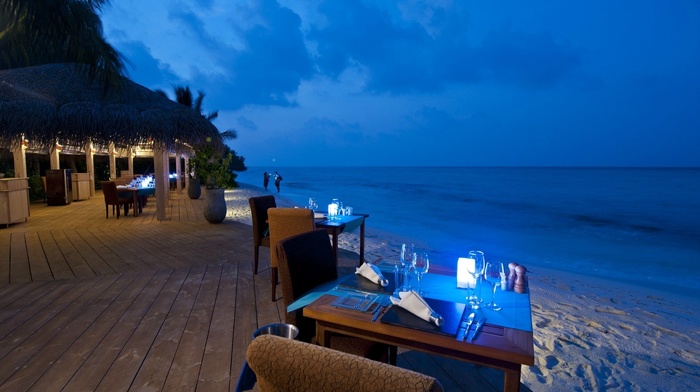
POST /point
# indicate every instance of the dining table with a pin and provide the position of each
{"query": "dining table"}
(343, 224)
(504, 340)
(139, 194)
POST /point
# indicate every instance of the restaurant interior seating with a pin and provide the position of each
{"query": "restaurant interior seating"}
(258, 209)
(306, 261)
(285, 222)
(112, 198)
(308, 367)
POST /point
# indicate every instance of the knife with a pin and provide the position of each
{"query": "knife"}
(470, 321)
(479, 324)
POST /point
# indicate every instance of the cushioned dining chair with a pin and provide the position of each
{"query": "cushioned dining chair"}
(285, 222)
(112, 198)
(308, 367)
(261, 236)
(306, 261)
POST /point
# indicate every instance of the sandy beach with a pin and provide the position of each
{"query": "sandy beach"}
(590, 334)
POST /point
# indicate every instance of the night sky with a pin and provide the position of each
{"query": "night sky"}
(430, 83)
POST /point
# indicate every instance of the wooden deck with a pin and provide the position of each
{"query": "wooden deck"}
(137, 304)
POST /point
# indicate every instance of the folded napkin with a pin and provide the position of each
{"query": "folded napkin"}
(414, 303)
(372, 272)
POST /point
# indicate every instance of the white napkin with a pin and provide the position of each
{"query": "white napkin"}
(414, 303)
(372, 272)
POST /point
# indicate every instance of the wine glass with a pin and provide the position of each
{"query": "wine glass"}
(312, 204)
(475, 271)
(493, 273)
(421, 264)
(407, 251)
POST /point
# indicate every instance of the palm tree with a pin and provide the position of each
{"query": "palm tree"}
(183, 95)
(37, 32)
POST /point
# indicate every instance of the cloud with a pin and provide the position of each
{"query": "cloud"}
(246, 123)
(273, 63)
(144, 67)
(526, 59)
(244, 54)
(400, 52)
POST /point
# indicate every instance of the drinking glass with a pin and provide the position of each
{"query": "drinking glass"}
(407, 251)
(312, 204)
(421, 264)
(493, 273)
(476, 271)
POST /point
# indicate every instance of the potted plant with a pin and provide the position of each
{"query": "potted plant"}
(210, 168)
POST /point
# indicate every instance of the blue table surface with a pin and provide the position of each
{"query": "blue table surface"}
(516, 312)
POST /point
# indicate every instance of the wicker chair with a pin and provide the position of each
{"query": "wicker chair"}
(258, 209)
(305, 261)
(285, 222)
(282, 364)
(109, 190)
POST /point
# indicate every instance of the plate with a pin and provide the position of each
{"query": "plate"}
(355, 301)
(319, 215)
(359, 282)
(451, 312)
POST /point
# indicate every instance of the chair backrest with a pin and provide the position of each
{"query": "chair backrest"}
(258, 209)
(305, 261)
(109, 189)
(286, 222)
(309, 367)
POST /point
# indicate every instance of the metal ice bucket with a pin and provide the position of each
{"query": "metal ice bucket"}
(288, 331)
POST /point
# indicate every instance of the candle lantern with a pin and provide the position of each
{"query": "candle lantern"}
(465, 280)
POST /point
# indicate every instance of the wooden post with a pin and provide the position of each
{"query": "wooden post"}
(90, 161)
(178, 173)
(187, 173)
(54, 157)
(159, 176)
(130, 159)
(20, 158)
(112, 161)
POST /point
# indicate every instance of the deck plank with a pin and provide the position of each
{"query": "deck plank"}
(70, 324)
(38, 264)
(46, 325)
(216, 373)
(188, 359)
(157, 363)
(98, 364)
(134, 351)
(19, 262)
(59, 266)
(116, 302)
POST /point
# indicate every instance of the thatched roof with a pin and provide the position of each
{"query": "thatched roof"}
(58, 102)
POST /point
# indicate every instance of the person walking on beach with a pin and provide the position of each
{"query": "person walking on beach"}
(278, 179)
(266, 179)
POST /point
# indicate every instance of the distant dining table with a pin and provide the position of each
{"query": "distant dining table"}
(140, 195)
(343, 224)
(504, 342)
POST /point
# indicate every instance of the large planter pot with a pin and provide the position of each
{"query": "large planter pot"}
(214, 205)
(194, 189)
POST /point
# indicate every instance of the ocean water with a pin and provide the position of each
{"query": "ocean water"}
(637, 225)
